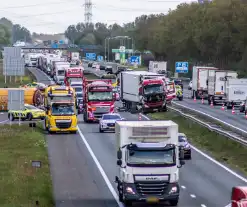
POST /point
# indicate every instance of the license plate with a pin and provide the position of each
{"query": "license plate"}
(152, 199)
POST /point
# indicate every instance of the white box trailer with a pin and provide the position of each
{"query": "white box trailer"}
(60, 68)
(135, 90)
(157, 67)
(151, 153)
(217, 85)
(199, 81)
(236, 91)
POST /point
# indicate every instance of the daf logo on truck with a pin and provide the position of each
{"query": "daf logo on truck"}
(239, 92)
(151, 178)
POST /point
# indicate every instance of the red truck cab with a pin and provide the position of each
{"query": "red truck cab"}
(99, 99)
(151, 86)
(71, 74)
(239, 196)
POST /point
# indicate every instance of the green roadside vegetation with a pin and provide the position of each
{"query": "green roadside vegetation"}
(21, 184)
(28, 78)
(91, 76)
(221, 148)
(140, 68)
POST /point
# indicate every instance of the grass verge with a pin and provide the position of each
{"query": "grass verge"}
(221, 148)
(141, 68)
(29, 77)
(22, 184)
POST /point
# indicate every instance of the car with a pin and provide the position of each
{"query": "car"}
(190, 86)
(90, 64)
(108, 69)
(107, 122)
(29, 113)
(94, 65)
(183, 142)
(102, 67)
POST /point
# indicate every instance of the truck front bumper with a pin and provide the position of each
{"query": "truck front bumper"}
(55, 129)
(169, 194)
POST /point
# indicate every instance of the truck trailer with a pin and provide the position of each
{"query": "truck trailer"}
(148, 159)
(141, 90)
(200, 81)
(217, 87)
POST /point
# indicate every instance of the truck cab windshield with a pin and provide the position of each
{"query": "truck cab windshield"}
(62, 109)
(142, 157)
(100, 96)
(155, 88)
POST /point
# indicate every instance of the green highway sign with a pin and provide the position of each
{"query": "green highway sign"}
(118, 51)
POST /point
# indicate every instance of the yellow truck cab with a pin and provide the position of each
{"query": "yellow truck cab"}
(60, 108)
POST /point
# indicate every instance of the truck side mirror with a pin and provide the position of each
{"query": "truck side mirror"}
(119, 154)
(119, 162)
(181, 154)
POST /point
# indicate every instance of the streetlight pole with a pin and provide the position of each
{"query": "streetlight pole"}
(108, 58)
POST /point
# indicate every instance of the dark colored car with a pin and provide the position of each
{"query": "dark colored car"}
(183, 142)
(108, 69)
(102, 67)
(90, 64)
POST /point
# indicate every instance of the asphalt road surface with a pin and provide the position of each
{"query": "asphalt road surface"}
(3, 118)
(78, 182)
(238, 119)
(76, 179)
(204, 182)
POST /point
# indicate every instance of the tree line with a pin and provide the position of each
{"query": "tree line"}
(213, 33)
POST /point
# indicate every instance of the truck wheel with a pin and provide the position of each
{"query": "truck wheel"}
(85, 117)
(11, 117)
(180, 98)
(127, 203)
(174, 202)
(29, 117)
(100, 130)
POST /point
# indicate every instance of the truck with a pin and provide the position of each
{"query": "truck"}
(31, 59)
(200, 81)
(59, 103)
(217, 85)
(148, 159)
(59, 71)
(54, 62)
(142, 91)
(98, 99)
(157, 67)
(239, 196)
(74, 74)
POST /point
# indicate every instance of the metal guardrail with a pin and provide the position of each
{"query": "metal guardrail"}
(237, 135)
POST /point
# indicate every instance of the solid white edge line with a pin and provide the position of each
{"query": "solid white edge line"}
(212, 160)
(108, 183)
(4, 121)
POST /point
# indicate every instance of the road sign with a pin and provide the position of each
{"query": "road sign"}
(100, 58)
(12, 52)
(16, 99)
(135, 60)
(91, 56)
(122, 49)
(181, 67)
(126, 51)
(13, 66)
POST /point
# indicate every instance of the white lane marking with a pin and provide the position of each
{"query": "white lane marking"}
(1, 113)
(229, 205)
(213, 160)
(4, 121)
(108, 183)
(202, 205)
(211, 117)
(192, 196)
(182, 186)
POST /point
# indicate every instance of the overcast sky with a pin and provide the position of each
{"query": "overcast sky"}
(54, 16)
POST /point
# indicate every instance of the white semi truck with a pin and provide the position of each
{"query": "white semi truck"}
(60, 68)
(200, 81)
(217, 80)
(157, 67)
(142, 90)
(148, 159)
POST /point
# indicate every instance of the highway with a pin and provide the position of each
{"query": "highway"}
(77, 180)
(238, 119)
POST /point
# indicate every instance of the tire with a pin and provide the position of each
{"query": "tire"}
(11, 117)
(85, 117)
(127, 203)
(173, 202)
(29, 117)
(100, 130)
(73, 132)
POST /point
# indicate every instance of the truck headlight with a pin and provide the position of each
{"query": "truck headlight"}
(174, 189)
(130, 190)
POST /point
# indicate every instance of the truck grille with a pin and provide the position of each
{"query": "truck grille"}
(151, 188)
(102, 109)
(63, 124)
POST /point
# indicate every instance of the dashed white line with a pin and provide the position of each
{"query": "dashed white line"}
(182, 186)
(202, 205)
(192, 196)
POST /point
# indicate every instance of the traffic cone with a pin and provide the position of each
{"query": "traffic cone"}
(194, 99)
(211, 104)
(202, 100)
(233, 110)
(139, 117)
(223, 107)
